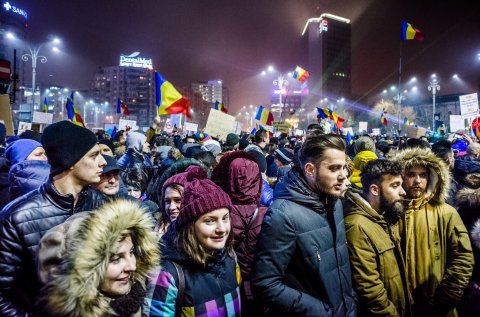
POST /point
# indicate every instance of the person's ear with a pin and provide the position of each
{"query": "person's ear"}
(309, 170)
(374, 190)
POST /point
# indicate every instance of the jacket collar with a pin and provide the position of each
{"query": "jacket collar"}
(64, 201)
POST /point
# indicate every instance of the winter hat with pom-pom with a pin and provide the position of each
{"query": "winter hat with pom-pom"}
(200, 196)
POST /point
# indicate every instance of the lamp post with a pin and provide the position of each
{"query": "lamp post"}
(280, 82)
(434, 86)
(34, 55)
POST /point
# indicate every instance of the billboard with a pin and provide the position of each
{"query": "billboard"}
(135, 60)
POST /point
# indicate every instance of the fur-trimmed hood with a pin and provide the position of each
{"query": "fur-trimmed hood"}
(73, 257)
(468, 198)
(475, 234)
(439, 177)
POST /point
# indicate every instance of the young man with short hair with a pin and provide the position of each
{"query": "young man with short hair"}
(301, 266)
(75, 159)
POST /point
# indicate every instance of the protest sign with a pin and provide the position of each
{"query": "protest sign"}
(123, 123)
(191, 127)
(362, 126)
(469, 105)
(456, 122)
(414, 132)
(42, 117)
(6, 113)
(281, 126)
(220, 124)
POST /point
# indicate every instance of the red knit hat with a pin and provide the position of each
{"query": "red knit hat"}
(200, 196)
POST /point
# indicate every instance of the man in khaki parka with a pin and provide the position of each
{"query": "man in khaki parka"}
(378, 267)
(435, 242)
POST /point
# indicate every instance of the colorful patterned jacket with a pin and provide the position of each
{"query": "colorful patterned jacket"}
(210, 291)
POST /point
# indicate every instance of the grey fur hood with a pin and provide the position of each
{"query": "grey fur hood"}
(439, 181)
(468, 198)
(73, 257)
(475, 234)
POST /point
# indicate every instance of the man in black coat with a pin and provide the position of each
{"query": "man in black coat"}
(76, 161)
(302, 266)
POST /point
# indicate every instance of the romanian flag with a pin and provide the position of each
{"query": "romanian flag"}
(476, 132)
(264, 116)
(406, 121)
(410, 33)
(300, 74)
(114, 131)
(72, 112)
(383, 119)
(168, 99)
(44, 107)
(219, 106)
(122, 107)
(325, 113)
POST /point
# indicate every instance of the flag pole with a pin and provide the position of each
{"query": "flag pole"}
(399, 95)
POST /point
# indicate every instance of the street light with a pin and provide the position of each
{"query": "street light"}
(34, 55)
(433, 87)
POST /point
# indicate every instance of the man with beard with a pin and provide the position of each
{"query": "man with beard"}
(378, 268)
(301, 266)
(435, 242)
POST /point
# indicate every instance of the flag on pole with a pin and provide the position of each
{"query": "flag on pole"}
(410, 33)
(300, 74)
(45, 107)
(122, 107)
(406, 121)
(264, 116)
(219, 106)
(72, 112)
(383, 119)
(325, 113)
(168, 99)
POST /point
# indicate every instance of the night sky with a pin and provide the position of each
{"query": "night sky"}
(233, 40)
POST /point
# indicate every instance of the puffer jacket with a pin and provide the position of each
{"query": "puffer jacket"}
(23, 222)
(301, 266)
(463, 167)
(435, 241)
(27, 176)
(134, 159)
(239, 176)
(378, 268)
(74, 255)
(4, 185)
(208, 291)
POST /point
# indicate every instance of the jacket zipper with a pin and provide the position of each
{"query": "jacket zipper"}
(318, 254)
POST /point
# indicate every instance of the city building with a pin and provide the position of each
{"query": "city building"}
(200, 108)
(328, 43)
(133, 81)
(213, 91)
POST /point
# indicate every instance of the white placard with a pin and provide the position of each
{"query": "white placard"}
(42, 117)
(238, 128)
(123, 123)
(23, 126)
(220, 124)
(191, 127)
(457, 122)
(362, 126)
(469, 105)
(299, 132)
(376, 131)
(346, 130)
(168, 126)
(176, 120)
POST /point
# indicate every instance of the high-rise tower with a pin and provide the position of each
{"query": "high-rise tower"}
(329, 56)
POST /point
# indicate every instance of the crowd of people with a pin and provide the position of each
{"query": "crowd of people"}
(182, 224)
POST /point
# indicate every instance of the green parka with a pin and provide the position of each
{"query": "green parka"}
(377, 264)
(435, 242)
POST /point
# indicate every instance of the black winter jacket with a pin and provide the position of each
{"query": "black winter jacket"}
(302, 266)
(23, 222)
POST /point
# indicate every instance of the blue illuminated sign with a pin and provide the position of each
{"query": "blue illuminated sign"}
(11, 8)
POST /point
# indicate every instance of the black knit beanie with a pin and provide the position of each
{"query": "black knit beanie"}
(65, 144)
